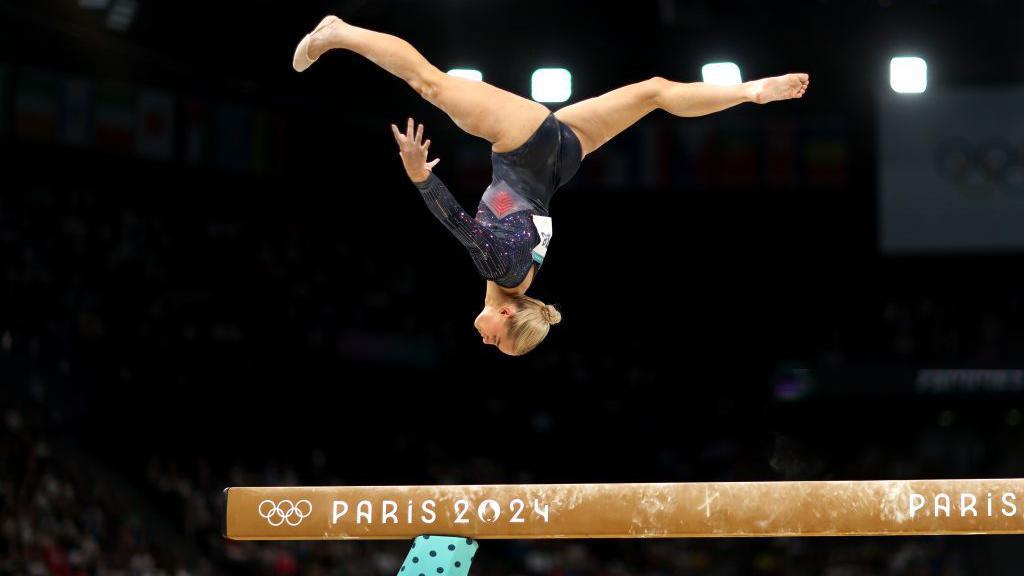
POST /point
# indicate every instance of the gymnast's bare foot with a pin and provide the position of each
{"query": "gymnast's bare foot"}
(326, 36)
(778, 88)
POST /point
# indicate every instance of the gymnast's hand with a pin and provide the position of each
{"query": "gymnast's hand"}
(414, 153)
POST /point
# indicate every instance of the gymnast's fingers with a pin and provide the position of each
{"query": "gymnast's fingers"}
(426, 145)
(419, 134)
(409, 129)
(398, 135)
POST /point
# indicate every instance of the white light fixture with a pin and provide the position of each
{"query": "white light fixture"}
(908, 75)
(721, 73)
(121, 15)
(467, 73)
(551, 85)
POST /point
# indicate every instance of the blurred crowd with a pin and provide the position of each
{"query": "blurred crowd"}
(60, 516)
(133, 279)
(67, 513)
(91, 270)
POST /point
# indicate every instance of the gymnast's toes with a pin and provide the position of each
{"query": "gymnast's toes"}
(780, 88)
(325, 37)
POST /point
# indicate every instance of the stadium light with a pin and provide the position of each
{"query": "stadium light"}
(121, 15)
(467, 73)
(908, 75)
(722, 73)
(551, 85)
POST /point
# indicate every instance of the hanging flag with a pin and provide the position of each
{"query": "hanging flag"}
(35, 106)
(233, 127)
(825, 161)
(3, 100)
(737, 155)
(115, 117)
(649, 164)
(154, 132)
(826, 153)
(262, 142)
(694, 157)
(700, 140)
(616, 166)
(665, 150)
(196, 131)
(77, 107)
(609, 170)
(781, 159)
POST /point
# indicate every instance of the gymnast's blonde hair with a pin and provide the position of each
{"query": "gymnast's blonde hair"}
(530, 324)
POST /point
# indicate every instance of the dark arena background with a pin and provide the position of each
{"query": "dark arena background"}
(214, 272)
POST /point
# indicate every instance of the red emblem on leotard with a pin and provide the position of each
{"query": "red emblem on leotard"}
(502, 203)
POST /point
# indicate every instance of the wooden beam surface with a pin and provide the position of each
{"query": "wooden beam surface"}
(531, 511)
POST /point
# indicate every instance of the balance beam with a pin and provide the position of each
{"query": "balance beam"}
(691, 510)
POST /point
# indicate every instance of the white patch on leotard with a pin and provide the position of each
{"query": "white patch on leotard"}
(544, 230)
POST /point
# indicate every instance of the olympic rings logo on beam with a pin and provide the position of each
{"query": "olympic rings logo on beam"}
(277, 513)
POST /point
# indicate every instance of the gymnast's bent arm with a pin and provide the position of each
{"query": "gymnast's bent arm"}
(447, 209)
(439, 200)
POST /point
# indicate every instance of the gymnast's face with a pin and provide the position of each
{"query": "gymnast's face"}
(492, 324)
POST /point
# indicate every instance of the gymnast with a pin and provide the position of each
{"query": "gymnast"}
(534, 152)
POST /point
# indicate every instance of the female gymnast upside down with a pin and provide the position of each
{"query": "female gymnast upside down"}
(534, 152)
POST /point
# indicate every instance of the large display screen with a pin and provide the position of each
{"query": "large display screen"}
(951, 171)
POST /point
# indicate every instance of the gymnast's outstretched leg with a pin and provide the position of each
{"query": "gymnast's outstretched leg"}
(481, 109)
(597, 120)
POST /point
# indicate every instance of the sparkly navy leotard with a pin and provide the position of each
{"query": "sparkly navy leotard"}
(512, 228)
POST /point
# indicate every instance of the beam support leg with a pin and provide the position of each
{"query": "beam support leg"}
(439, 556)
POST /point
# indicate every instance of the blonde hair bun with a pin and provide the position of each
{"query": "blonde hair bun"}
(551, 314)
(530, 324)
